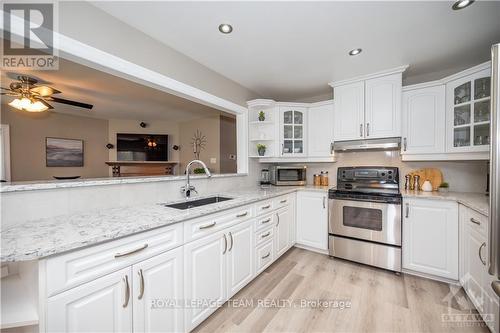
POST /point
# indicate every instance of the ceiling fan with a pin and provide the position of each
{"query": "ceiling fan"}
(33, 98)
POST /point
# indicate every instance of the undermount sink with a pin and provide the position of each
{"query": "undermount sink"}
(198, 202)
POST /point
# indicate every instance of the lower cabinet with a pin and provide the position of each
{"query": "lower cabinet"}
(312, 219)
(430, 237)
(157, 285)
(216, 267)
(103, 305)
(282, 239)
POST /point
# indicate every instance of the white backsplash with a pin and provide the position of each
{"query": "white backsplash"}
(463, 176)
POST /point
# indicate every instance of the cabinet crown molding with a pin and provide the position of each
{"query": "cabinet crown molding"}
(394, 70)
(265, 103)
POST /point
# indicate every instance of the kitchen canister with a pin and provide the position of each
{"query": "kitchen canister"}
(324, 178)
(316, 180)
(427, 186)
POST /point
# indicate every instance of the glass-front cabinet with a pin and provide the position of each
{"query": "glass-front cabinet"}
(468, 104)
(292, 130)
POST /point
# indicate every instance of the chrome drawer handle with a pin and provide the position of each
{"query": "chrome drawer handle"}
(267, 255)
(367, 129)
(361, 130)
(473, 220)
(480, 255)
(278, 216)
(232, 241)
(405, 144)
(266, 207)
(118, 255)
(141, 288)
(225, 244)
(407, 210)
(266, 221)
(127, 291)
(265, 235)
(208, 226)
(283, 201)
(241, 215)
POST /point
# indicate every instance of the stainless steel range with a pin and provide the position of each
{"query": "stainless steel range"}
(365, 216)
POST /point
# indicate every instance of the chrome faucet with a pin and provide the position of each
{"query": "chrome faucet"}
(188, 188)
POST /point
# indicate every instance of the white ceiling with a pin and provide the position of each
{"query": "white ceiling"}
(291, 50)
(112, 97)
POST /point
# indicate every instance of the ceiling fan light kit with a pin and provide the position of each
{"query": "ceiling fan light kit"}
(32, 98)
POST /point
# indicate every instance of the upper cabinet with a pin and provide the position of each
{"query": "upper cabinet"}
(368, 107)
(468, 111)
(383, 107)
(293, 130)
(349, 111)
(320, 129)
(423, 112)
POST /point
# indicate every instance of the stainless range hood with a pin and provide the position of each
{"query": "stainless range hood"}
(380, 144)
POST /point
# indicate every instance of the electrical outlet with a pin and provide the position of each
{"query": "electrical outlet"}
(213, 160)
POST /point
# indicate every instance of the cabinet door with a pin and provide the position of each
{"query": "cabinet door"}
(103, 305)
(293, 130)
(476, 276)
(158, 293)
(204, 277)
(383, 107)
(349, 111)
(320, 130)
(240, 257)
(424, 121)
(282, 233)
(468, 113)
(312, 219)
(430, 237)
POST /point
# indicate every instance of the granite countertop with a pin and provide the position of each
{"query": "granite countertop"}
(44, 237)
(477, 201)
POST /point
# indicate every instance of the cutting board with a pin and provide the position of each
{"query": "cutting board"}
(434, 175)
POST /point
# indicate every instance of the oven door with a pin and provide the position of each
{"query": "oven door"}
(372, 221)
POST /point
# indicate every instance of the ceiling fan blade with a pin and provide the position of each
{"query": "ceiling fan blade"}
(66, 101)
(44, 103)
(44, 91)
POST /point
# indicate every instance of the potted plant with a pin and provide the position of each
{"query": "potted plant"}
(199, 171)
(261, 149)
(262, 116)
(444, 187)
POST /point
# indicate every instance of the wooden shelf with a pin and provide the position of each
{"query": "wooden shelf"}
(265, 122)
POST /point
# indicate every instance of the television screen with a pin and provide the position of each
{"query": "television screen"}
(142, 147)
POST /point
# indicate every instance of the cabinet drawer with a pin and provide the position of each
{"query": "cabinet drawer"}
(264, 256)
(281, 201)
(264, 235)
(265, 221)
(201, 227)
(477, 221)
(72, 269)
(264, 206)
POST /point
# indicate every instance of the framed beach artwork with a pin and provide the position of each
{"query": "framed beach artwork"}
(64, 152)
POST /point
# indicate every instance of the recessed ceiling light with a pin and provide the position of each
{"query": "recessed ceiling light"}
(461, 4)
(225, 28)
(355, 52)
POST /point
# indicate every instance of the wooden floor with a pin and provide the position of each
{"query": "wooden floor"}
(380, 301)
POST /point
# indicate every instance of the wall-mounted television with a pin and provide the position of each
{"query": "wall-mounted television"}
(141, 147)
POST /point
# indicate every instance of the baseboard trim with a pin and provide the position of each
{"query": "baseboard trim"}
(310, 248)
(431, 277)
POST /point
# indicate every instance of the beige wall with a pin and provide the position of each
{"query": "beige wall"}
(210, 128)
(27, 143)
(153, 127)
(227, 144)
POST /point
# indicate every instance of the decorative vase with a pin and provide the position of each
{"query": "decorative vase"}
(427, 186)
(261, 151)
(443, 189)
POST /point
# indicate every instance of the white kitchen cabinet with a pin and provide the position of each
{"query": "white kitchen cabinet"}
(312, 219)
(468, 112)
(240, 256)
(349, 111)
(293, 130)
(423, 120)
(320, 129)
(103, 305)
(157, 281)
(430, 237)
(383, 106)
(282, 233)
(205, 277)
